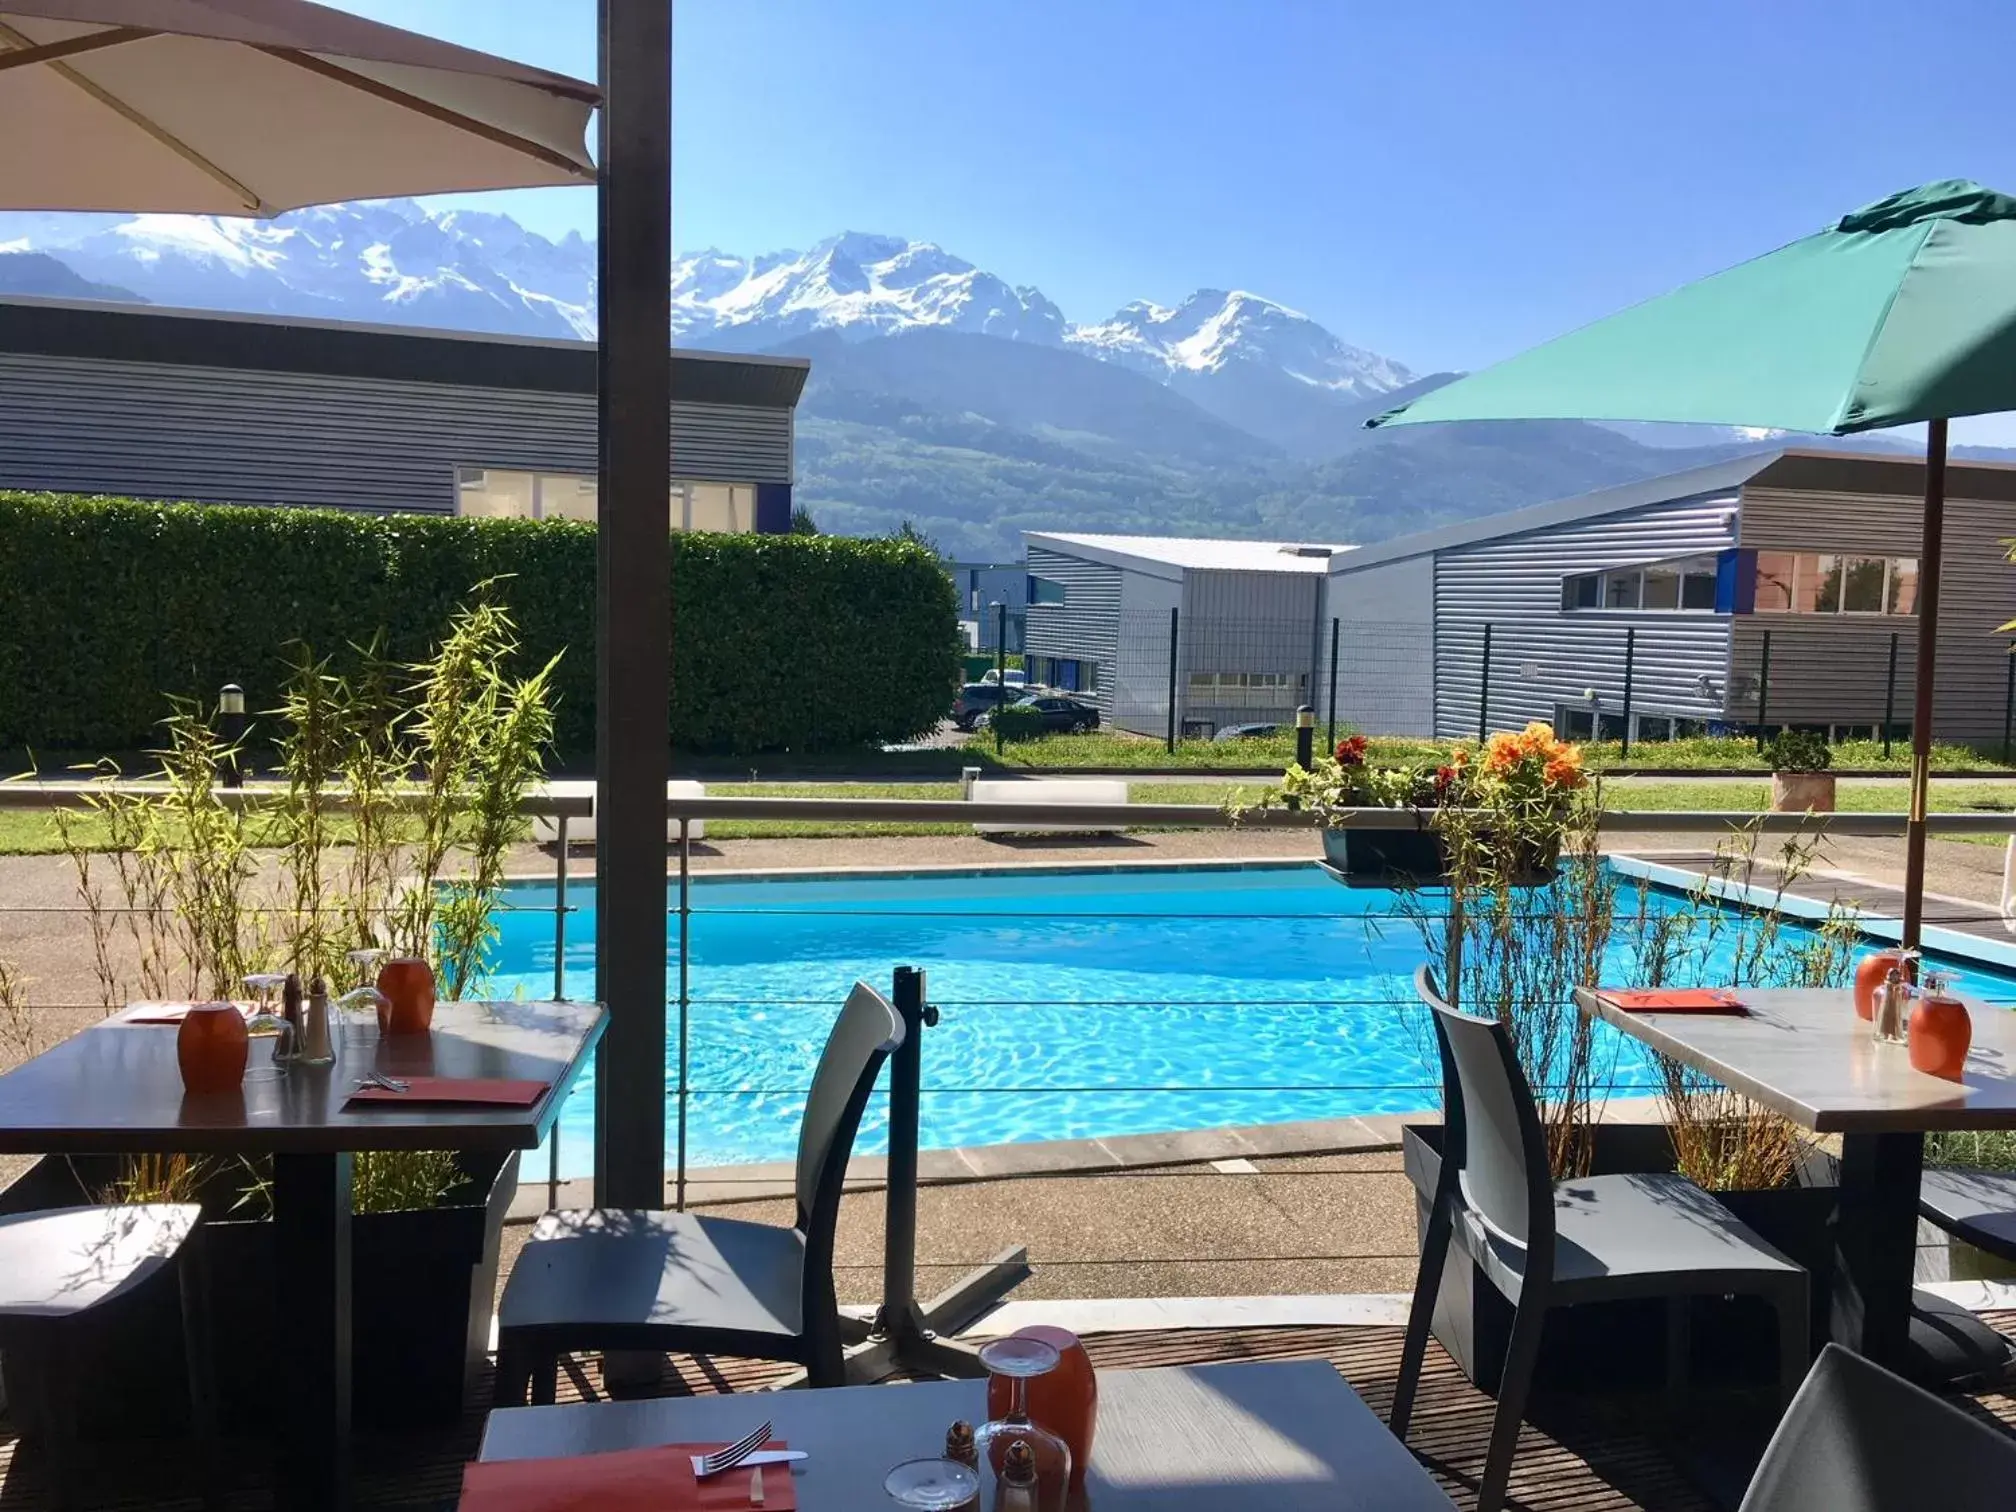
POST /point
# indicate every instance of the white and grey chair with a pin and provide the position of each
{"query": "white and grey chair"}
(662, 1281)
(1859, 1439)
(1544, 1244)
(60, 1269)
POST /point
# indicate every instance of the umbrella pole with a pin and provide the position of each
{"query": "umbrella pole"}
(1928, 648)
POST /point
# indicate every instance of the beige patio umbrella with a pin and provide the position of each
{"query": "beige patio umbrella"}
(252, 107)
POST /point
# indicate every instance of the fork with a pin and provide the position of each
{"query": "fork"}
(728, 1458)
(388, 1083)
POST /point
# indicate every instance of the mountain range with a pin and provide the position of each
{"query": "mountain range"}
(940, 393)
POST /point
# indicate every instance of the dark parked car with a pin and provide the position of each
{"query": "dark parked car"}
(1247, 732)
(1060, 713)
(977, 700)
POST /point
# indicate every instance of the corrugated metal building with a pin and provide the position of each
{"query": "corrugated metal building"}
(169, 404)
(1689, 578)
(1245, 619)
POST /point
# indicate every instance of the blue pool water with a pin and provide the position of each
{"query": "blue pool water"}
(1075, 1004)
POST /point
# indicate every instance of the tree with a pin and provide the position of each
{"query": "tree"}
(908, 531)
(802, 522)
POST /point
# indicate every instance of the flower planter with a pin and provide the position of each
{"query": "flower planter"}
(1611, 1346)
(1799, 792)
(422, 1288)
(1417, 857)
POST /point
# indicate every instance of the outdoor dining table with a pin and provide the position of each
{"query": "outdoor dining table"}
(1803, 1053)
(116, 1089)
(1289, 1436)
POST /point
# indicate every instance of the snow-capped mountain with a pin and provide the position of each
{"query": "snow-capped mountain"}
(1258, 364)
(856, 283)
(1212, 330)
(386, 260)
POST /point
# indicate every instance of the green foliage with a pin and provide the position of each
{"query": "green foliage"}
(1798, 751)
(802, 522)
(779, 642)
(1014, 722)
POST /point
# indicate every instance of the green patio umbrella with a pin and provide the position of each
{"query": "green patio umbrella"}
(1902, 311)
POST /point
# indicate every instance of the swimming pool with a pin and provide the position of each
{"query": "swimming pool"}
(1075, 1004)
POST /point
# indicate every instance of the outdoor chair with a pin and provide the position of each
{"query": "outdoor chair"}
(1543, 1244)
(59, 1270)
(1977, 1206)
(1859, 1439)
(654, 1281)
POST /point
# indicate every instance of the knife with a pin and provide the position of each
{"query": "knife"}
(762, 1457)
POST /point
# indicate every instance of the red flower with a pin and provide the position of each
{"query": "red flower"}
(1351, 750)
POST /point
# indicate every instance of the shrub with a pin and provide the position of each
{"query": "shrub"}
(1798, 751)
(1018, 722)
(778, 642)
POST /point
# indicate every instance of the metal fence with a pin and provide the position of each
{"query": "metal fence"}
(1173, 674)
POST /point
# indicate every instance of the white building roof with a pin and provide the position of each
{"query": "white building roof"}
(1191, 552)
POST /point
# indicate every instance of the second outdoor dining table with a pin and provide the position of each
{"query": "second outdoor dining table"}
(1803, 1053)
(116, 1089)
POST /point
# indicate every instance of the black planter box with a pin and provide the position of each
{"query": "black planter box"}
(1621, 1346)
(422, 1287)
(1384, 857)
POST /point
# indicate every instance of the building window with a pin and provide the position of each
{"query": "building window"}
(506, 493)
(1257, 690)
(1808, 582)
(1575, 724)
(1685, 584)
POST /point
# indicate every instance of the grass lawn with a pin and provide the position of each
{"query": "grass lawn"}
(24, 832)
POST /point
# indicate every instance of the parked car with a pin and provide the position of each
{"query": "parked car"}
(976, 701)
(1015, 677)
(1246, 732)
(1061, 713)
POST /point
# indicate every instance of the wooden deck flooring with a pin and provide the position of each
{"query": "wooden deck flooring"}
(1587, 1458)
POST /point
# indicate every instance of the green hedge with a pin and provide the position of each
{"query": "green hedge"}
(779, 642)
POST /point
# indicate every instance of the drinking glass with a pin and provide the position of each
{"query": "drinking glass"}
(265, 1025)
(1019, 1360)
(932, 1485)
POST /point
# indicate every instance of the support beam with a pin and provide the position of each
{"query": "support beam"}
(633, 596)
(1924, 678)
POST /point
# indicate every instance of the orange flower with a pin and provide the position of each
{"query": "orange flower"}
(1562, 772)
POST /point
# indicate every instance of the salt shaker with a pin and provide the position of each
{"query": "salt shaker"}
(1889, 1007)
(959, 1446)
(1016, 1490)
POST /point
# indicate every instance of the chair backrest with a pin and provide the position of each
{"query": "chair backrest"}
(862, 1038)
(1494, 1131)
(1859, 1439)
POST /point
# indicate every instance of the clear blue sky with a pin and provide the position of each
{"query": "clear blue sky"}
(1445, 181)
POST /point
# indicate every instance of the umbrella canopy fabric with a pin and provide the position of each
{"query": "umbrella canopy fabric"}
(253, 107)
(1902, 311)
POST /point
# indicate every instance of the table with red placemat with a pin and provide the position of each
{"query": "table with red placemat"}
(1803, 1053)
(488, 1077)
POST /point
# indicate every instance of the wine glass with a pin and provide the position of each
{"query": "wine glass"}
(266, 1024)
(1019, 1360)
(932, 1485)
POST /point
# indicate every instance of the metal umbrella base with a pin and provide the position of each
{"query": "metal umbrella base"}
(908, 1337)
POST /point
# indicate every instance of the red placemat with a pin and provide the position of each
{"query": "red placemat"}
(659, 1479)
(169, 1013)
(1673, 999)
(493, 1091)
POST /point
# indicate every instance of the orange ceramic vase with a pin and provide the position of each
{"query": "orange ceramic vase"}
(1941, 1031)
(1871, 972)
(211, 1047)
(408, 987)
(1065, 1400)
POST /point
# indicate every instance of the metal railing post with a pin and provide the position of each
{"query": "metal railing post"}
(2009, 703)
(1630, 657)
(1000, 670)
(685, 943)
(1890, 697)
(1174, 614)
(1332, 738)
(560, 917)
(1484, 689)
(1763, 689)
